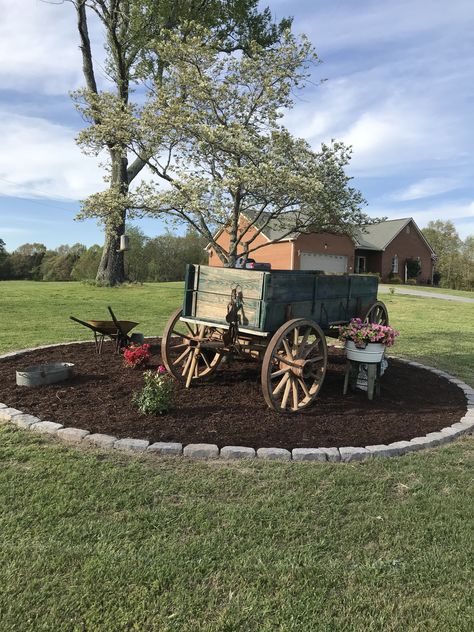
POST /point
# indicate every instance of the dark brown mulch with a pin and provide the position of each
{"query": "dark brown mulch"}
(229, 409)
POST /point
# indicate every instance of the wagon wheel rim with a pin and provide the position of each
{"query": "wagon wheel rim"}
(294, 366)
(184, 353)
(377, 313)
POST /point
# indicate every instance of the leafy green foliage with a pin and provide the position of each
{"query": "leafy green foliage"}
(454, 267)
(413, 268)
(161, 258)
(156, 397)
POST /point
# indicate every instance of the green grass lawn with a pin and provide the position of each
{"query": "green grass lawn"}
(109, 542)
(38, 313)
(93, 541)
(434, 332)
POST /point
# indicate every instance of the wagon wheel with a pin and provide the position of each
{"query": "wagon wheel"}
(294, 366)
(377, 313)
(184, 351)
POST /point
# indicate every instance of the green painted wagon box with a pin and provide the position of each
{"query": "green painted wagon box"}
(270, 298)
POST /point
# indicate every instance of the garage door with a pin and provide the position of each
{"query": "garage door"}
(327, 263)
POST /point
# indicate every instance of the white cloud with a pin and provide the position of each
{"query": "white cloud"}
(39, 47)
(372, 22)
(461, 213)
(427, 187)
(40, 159)
(10, 230)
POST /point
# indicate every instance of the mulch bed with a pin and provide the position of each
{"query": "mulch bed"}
(228, 408)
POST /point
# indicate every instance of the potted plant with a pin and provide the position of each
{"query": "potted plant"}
(366, 342)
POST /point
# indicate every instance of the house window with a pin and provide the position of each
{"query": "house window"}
(395, 264)
(361, 265)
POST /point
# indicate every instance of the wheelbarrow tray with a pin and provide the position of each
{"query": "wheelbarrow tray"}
(108, 327)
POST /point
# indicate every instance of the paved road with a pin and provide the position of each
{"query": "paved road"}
(446, 297)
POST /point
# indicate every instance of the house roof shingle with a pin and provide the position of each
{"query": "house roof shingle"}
(378, 236)
(369, 237)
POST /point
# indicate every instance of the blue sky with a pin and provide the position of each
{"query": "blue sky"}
(399, 89)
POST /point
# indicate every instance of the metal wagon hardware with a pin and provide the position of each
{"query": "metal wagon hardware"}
(279, 317)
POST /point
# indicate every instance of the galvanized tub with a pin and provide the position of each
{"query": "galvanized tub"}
(42, 374)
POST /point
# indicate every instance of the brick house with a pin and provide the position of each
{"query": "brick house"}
(382, 248)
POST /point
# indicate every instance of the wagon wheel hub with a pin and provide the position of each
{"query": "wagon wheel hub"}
(302, 368)
(299, 367)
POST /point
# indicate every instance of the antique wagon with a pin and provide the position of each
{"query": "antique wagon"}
(280, 317)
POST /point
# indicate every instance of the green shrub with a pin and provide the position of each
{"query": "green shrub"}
(394, 278)
(410, 282)
(157, 395)
(376, 274)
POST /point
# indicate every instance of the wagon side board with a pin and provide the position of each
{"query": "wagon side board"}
(270, 298)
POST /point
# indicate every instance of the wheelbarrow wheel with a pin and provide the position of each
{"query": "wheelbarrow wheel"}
(294, 366)
(189, 349)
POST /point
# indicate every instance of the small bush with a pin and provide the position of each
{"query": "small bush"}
(394, 278)
(157, 395)
(376, 274)
(411, 282)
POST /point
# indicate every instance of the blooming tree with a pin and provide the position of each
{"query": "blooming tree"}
(223, 159)
(130, 27)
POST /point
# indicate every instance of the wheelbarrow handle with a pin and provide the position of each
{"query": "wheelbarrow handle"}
(82, 322)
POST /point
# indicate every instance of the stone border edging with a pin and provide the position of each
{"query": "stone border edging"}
(211, 451)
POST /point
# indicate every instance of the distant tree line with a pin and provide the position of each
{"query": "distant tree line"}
(161, 258)
(454, 267)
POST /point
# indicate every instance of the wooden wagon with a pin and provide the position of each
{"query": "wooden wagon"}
(279, 317)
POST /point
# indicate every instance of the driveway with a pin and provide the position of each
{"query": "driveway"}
(384, 289)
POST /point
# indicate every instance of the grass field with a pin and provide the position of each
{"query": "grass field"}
(38, 313)
(109, 542)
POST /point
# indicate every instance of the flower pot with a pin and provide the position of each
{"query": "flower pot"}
(372, 352)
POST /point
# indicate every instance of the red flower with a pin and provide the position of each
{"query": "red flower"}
(136, 355)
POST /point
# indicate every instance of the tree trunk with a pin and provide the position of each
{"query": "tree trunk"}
(111, 268)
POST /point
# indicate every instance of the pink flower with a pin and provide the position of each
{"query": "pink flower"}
(161, 369)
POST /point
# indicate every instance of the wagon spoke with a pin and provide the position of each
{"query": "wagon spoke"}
(295, 394)
(303, 343)
(182, 356)
(310, 348)
(180, 345)
(187, 365)
(286, 393)
(315, 359)
(203, 356)
(281, 384)
(304, 387)
(286, 347)
(181, 335)
(296, 335)
(191, 369)
(190, 329)
(278, 373)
